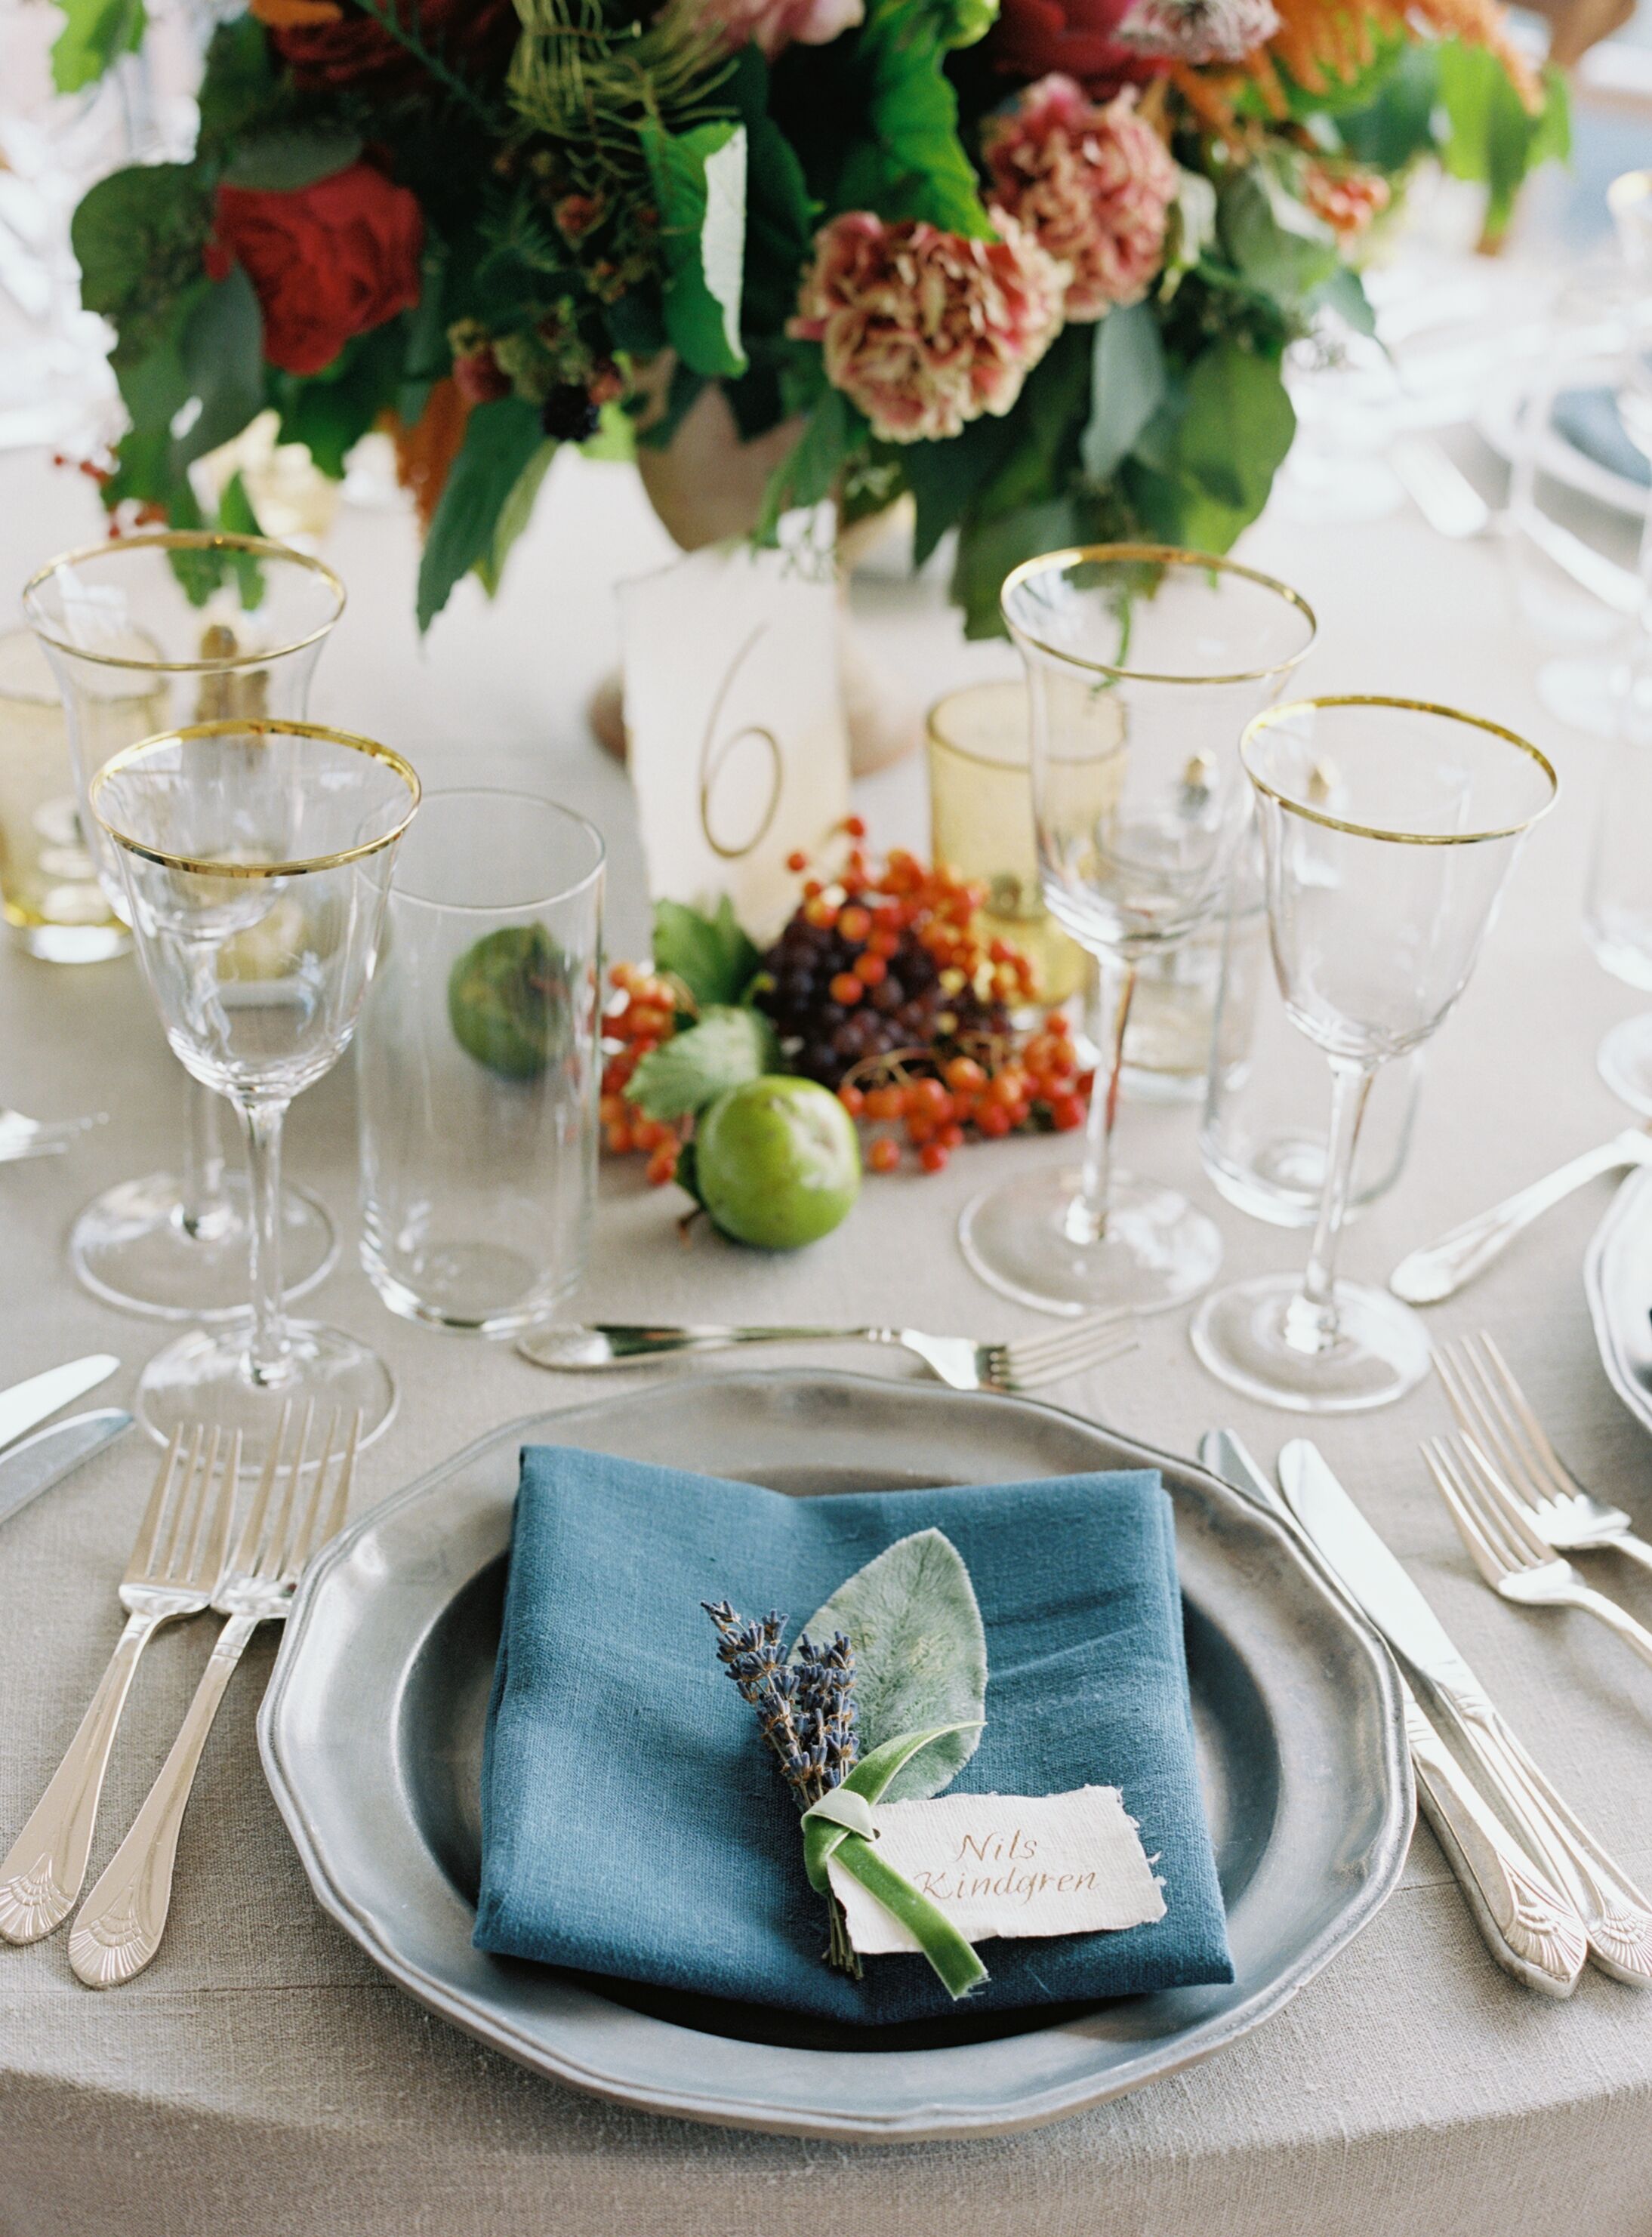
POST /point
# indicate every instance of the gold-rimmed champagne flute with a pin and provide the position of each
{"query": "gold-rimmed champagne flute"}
(144, 633)
(1143, 664)
(1389, 827)
(256, 858)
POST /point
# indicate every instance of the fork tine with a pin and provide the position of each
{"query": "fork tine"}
(275, 1534)
(1503, 1440)
(252, 1528)
(1550, 1461)
(186, 1504)
(1024, 1364)
(189, 1541)
(1030, 1350)
(1468, 1529)
(289, 1559)
(1469, 1462)
(148, 1530)
(1494, 1493)
(344, 1486)
(216, 1550)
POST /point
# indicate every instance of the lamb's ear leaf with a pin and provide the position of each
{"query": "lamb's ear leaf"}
(920, 1656)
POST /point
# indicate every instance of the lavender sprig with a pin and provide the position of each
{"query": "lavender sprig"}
(806, 1712)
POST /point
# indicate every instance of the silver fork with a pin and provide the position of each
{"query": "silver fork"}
(1491, 1408)
(1503, 1545)
(120, 1924)
(22, 1137)
(176, 1559)
(1024, 1364)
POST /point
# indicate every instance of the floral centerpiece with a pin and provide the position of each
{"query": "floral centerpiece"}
(1035, 262)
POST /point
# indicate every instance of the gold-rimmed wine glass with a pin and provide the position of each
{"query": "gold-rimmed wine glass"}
(1389, 827)
(145, 633)
(1143, 664)
(256, 858)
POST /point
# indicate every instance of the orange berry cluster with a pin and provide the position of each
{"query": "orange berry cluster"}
(1346, 197)
(642, 1014)
(1034, 1085)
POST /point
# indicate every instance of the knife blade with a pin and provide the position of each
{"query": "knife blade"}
(25, 1403)
(1527, 1925)
(1616, 1916)
(47, 1457)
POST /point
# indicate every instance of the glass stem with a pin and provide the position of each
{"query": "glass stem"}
(269, 1349)
(203, 1208)
(1311, 1317)
(1086, 1217)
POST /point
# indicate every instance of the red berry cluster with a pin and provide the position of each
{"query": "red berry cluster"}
(642, 1014)
(926, 1101)
(1347, 196)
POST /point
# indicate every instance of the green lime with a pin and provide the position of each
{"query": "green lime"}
(508, 1001)
(776, 1161)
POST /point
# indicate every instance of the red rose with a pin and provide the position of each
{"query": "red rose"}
(1033, 38)
(325, 261)
(327, 45)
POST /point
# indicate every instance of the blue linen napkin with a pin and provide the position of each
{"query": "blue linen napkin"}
(633, 1822)
(1591, 423)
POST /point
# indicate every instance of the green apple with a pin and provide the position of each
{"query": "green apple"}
(776, 1161)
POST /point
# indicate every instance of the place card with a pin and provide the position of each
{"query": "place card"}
(1008, 1866)
(734, 721)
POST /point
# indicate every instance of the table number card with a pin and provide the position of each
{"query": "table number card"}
(1008, 1865)
(734, 724)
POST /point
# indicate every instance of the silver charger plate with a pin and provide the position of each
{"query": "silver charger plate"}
(1617, 1281)
(371, 1737)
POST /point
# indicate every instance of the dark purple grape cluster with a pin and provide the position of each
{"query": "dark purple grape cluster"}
(909, 1007)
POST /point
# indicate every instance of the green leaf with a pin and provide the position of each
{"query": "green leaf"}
(499, 439)
(699, 180)
(1236, 429)
(1492, 136)
(987, 552)
(280, 162)
(1127, 386)
(684, 1074)
(918, 159)
(239, 82)
(1276, 244)
(832, 434)
(1176, 511)
(223, 355)
(1344, 293)
(919, 1653)
(710, 954)
(237, 518)
(515, 516)
(137, 238)
(96, 33)
(1397, 125)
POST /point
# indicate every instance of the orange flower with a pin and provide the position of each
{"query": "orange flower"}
(426, 451)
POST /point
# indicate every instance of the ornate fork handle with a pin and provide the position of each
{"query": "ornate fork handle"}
(1615, 1913)
(635, 1341)
(41, 1877)
(1441, 1268)
(1616, 1618)
(1534, 1933)
(1636, 1548)
(121, 1922)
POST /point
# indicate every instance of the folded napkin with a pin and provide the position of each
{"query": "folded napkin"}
(634, 1824)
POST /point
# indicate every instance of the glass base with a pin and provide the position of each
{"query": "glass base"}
(1243, 1334)
(1624, 1062)
(1158, 1251)
(472, 1289)
(130, 1248)
(205, 1377)
(71, 943)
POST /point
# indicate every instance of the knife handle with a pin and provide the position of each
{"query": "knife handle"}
(1617, 1915)
(1529, 1926)
(43, 1874)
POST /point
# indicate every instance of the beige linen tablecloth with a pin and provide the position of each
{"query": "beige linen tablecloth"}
(262, 2077)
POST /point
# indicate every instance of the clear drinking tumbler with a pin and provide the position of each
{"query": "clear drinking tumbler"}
(478, 1063)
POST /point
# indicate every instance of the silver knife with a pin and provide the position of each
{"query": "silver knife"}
(1529, 1926)
(48, 1456)
(1615, 1913)
(26, 1403)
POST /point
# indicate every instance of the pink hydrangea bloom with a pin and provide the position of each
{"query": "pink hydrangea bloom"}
(777, 24)
(1093, 185)
(926, 330)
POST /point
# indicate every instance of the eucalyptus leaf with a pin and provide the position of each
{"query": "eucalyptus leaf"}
(1127, 386)
(920, 1655)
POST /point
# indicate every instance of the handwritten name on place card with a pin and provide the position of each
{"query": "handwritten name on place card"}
(1009, 1864)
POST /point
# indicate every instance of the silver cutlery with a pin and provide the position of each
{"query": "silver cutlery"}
(1493, 1408)
(1528, 1924)
(1515, 1561)
(22, 1137)
(119, 1926)
(28, 1403)
(1440, 1269)
(177, 1560)
(1438, 487)
(46, 1458)
(1616, 1916)
(1024, 1364)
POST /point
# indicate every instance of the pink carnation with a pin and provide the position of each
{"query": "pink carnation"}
(1093, 185)
(777, 24)
(926, 330)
